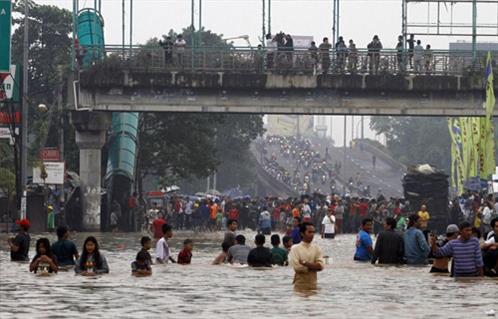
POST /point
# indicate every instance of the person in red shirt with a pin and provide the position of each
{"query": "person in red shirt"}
(233, 213)
(363, 208)
(185, 256)
(157, 226)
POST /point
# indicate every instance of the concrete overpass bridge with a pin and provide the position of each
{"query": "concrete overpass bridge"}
(265, 82)
(272, 82)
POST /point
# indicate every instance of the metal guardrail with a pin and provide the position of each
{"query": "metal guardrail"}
(297, 61)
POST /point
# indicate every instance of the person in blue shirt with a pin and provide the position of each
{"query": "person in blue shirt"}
(416, 247)
(295, 234)
(64, 249)
(364, 250)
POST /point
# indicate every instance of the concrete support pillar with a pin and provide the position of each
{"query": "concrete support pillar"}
(91, 130)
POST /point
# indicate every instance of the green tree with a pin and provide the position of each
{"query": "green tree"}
(49, 58)
(186, 147)
(418, 140)
(7, 182)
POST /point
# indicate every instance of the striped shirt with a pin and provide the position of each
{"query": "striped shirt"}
(467, 258)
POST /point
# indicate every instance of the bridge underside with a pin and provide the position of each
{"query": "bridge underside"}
(271, 102)
(278, 94)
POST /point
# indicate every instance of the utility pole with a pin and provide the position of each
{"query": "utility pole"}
(123, 30)
(269, 18)
(263, 19)
(200, 22)
(362, 127)
(474, 32)
(131, 27)
(24, 116)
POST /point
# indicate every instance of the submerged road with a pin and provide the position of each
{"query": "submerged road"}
(346, 289)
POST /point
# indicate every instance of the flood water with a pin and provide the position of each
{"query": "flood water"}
(346, 289)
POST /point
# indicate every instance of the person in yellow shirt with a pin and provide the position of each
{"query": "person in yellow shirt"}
(306, 259)
(424, 216)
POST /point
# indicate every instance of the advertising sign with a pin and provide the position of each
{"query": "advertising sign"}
(55, 173)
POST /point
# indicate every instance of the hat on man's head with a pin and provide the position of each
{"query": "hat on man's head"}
(24, 223)
(452, 229)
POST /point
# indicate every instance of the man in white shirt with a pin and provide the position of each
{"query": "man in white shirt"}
(418, 56)
(163, 253)
(179, 47)
(306, 259)
(328, 225)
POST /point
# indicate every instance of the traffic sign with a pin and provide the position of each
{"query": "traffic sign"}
(5, 29)
(9, 83)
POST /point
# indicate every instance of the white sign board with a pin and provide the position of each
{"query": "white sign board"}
(55, 173)
(5, 133)
(9, 83)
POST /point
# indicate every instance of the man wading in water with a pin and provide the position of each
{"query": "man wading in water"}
(306, 259)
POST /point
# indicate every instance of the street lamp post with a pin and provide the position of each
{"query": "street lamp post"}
(24, 116)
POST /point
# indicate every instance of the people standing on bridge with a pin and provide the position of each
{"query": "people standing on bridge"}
(91, 262)
(389, 246)
(325, 55)
(340, 51)
(180, 45)
(411, 45)
(306, 259)
(167, 46)
(19, 245)
(289, 47)
(64, 249)
(374, 48)
(352, 59)
(428, 56)
(364, 246)
(399, 54)
(418, 57)
(313, 56)
(416, 247)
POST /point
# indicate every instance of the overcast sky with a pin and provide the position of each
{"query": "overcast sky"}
(360, 20)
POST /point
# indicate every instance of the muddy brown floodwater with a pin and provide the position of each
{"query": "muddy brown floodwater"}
(200, 290)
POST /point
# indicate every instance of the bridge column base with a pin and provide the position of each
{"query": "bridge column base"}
(90, 137)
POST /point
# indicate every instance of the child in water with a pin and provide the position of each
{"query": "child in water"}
(185, 256)
(44, 262)
(146, 243)
(222, 257)
(91, 262)
(141, 267)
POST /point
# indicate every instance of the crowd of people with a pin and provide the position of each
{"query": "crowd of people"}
(280, 53)
(404, 240)
(310, 171)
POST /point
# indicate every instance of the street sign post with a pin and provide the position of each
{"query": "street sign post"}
(5, 29)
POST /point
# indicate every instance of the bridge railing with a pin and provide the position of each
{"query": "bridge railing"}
(299, 60)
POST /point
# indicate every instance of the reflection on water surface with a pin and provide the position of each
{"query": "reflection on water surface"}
(346, 289)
